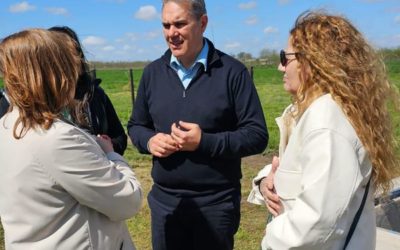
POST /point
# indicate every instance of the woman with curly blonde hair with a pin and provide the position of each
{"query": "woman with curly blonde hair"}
(340, 140)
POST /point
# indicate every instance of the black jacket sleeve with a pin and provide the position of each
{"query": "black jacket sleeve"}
(251, 134)
(105, 120)
(115, 129)
(4, 105)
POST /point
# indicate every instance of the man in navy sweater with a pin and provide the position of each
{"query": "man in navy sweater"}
(197, 112)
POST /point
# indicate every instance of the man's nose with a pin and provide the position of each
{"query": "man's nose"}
(172, 31)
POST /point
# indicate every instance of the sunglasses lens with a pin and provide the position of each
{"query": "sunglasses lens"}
(283, 58)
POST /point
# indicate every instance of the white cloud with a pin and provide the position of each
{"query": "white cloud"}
(146, 13)
(248, 5)
(270, 30)
(21, 7)
(108, 48)
(153, 34)
(160, 47)
(93, 41)
(397, 19)
(57, 11)
(251, 20)
(119, 40)
(232, 45)
(132, 36)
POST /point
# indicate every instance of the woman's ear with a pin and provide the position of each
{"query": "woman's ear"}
(304, 72)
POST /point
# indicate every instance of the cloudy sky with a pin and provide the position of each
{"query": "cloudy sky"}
(129, 30)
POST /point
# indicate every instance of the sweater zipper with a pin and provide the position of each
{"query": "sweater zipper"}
(184, 93)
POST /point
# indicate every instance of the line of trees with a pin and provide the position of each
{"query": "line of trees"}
(271, 57)
(266, 57)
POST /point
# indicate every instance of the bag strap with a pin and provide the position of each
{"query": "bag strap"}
(357, 216)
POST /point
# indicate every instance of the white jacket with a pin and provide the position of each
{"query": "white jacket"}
(58, 190)
(321, 180)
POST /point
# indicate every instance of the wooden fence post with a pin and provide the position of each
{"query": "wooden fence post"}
(132, 86)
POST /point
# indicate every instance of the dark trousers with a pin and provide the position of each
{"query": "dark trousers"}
(191, 224)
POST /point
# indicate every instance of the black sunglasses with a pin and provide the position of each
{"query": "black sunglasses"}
(284, 60)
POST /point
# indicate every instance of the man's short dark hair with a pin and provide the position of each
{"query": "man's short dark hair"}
(198, 7)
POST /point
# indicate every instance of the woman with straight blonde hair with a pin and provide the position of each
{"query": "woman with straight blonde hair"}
(60, 188)
(337, 147)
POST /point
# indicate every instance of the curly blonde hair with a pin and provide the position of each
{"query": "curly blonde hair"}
(335, 58)
(40, 70)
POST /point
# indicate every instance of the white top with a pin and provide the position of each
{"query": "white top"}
(58, 190)
(321, 180)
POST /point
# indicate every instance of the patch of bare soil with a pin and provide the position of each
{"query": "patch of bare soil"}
(258, 160)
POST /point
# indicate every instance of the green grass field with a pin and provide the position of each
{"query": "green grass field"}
(268, 82)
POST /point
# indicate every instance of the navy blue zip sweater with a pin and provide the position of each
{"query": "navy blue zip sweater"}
(225, 104)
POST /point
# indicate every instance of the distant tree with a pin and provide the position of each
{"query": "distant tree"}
(117, 65)
(390, 54)
(244, 56)
(267, 53)
(268, 56)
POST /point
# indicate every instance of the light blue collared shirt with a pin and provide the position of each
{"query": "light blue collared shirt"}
(186, 75)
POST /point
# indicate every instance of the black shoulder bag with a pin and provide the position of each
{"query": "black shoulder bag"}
(357, 216)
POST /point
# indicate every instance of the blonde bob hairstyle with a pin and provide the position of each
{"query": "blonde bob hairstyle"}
(40, 70)
(333, 57)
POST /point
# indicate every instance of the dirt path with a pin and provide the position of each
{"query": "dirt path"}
(258, 160)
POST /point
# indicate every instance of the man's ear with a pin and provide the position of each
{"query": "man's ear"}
(204, 22)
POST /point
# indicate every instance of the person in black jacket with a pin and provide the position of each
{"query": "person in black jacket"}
(3, 103)
(99, 114)
(198, 113)
(104, 119)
